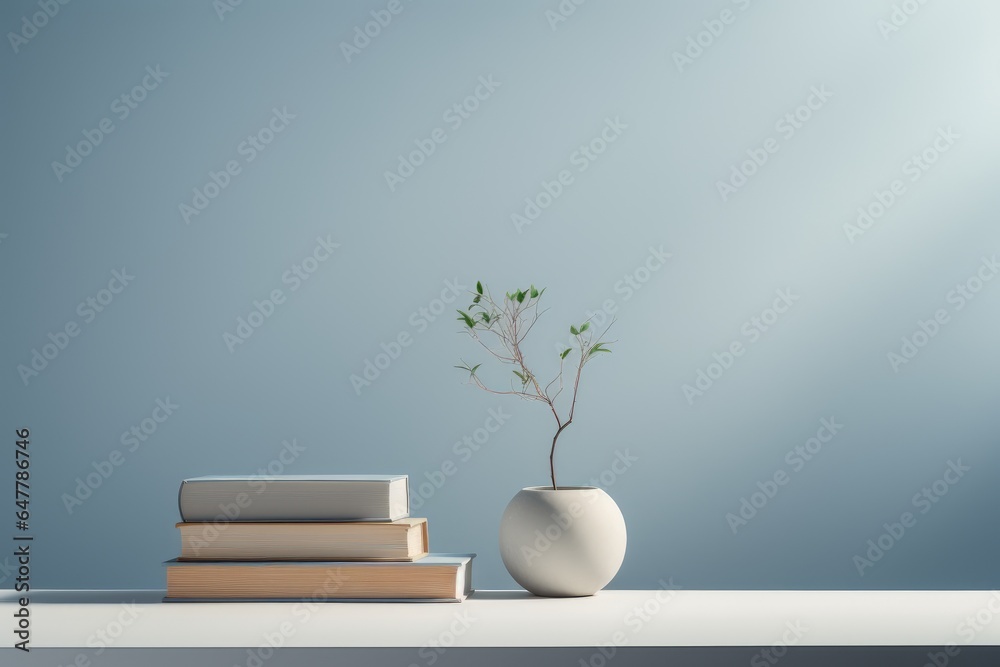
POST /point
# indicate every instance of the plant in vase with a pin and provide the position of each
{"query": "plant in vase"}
(555, 541)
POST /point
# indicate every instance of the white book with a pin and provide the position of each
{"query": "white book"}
(295, 498)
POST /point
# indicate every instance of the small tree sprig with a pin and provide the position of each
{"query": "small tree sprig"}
(501, 327)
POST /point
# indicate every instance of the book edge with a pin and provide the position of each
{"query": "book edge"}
(459, 559)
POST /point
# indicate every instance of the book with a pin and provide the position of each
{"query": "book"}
(400, 540)
(295, 498)
(437, 577)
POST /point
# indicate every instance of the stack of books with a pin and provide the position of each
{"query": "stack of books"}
(317, 538)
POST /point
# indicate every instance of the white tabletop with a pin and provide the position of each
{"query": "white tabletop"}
(89, 619)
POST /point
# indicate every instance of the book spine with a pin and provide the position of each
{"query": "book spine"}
(180, 507)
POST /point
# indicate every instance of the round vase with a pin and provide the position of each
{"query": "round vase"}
(565, 542)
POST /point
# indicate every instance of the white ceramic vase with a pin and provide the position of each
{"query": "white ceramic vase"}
(567, 542)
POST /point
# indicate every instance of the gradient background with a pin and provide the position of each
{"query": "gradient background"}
(324, 175)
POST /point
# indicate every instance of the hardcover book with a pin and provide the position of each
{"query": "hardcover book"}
(295, 498)
(437, 577)
(401, 540)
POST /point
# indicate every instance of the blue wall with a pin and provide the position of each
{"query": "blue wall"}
(249, 141)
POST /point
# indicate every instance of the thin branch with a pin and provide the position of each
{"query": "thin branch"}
(498, 355)
(576, 386)
(525, 395)
(557, 377)
(533, 320)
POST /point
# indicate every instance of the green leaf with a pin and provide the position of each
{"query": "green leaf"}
(476, 300)
(520, 296)
(534, 292)
(598, 348)
(473, 369)
(479, 287)
(565, 352)
(584, 326)
(573, 330)
(521, 376)
(486, 317)
(464, 317)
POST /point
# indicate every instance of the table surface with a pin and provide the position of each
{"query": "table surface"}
(139, 619)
